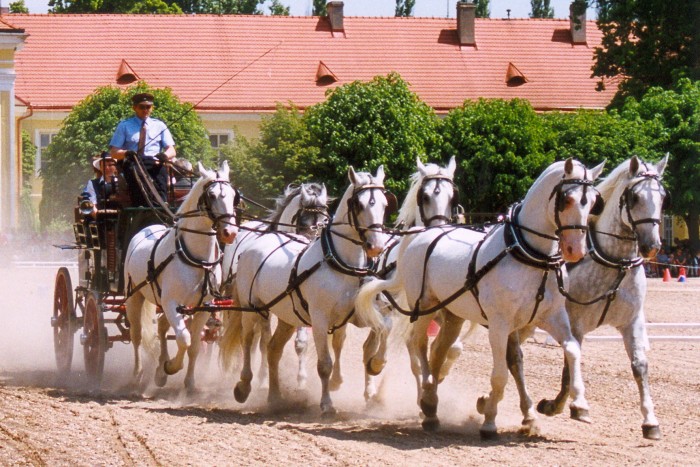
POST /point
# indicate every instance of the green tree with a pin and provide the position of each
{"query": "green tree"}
(263, 167)
(541, 9)
(319, 8)
(366, 124)
(482, 9)
(28, 219)
(113, 6)
(592, 136)
(277, 9)
(87, 130)
(18, 7)
(675, 114)
(501, 146)
(404, 7)
(647, 43)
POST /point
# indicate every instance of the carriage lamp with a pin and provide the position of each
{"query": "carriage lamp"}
(85, 207)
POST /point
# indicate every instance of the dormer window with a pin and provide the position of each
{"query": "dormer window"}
(324, 76)
(514, 77)
(126, 74)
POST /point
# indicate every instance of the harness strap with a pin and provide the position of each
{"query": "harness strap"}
(295, 280)
(540, 294)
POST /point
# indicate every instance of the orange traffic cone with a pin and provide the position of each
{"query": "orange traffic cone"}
(681, 274)
(667, 275)
(433, 329)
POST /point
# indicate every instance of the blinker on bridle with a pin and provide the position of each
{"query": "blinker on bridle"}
(558, 195)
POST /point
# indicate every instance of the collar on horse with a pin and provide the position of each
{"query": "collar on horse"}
(334, 261)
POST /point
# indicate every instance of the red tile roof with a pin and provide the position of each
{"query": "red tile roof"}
(252, 62)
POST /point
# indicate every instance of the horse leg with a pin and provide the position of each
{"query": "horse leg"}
(242, 389)
(635, 339)
(514, 359)
(196, 327)
(551, 407)
(488, 405)
(183, 338)
(161, 376)
(301, 346)
(453, 352)
(558, 327)
(417, 346)
(265, 337)
(283, 332)
(324, 366)
(337, 375)
(134, 307)
(449, 332)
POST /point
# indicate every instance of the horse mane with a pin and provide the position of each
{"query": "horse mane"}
(281, 202)
(608, 186)
(192, 198)
(407, 212)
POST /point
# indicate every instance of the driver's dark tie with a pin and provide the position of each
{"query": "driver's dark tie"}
(142, 139)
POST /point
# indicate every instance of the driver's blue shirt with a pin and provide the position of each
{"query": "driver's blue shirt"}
(158, 137)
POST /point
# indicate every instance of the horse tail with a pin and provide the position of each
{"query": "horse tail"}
(366, 306)
(149, 336)
(230, 343)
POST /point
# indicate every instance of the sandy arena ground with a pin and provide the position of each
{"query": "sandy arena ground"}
(43, 424)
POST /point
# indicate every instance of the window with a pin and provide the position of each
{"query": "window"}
(668, 230)
(43, 139)
(220, 139)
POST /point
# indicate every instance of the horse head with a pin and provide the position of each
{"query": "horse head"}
(312, 214)
(219, 199)
(573, 199)
(642, 202)
(367, 202)
(436, 196)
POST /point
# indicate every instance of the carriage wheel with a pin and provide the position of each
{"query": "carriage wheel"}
(94, 340)
(63, 322)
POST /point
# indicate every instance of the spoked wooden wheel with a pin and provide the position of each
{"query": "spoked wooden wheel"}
(94, 340)
(62, 322)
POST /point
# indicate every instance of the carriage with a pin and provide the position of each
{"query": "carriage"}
(95, 306)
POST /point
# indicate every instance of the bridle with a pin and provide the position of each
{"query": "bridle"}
(354, 207)
(453, 203)
(318, 211)
(559, 195)
(204, 205)
(629, 193)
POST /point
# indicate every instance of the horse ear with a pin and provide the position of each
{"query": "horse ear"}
(202, 170)
(569, 166)
(380, 174)
(597, 170)
(634, 166)
(225, 169)
(451, 166)
(421, 167)
(352, 175)
(661, 165)
(324, 192)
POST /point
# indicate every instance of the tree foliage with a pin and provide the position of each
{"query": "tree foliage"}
(404, 7)
(501, 148)
(482, 9)
(18, 7)
(674, 119)
(366, 124)
(647, 43)
(319, 8)
(541, 9)
(263, 167)
(87, 131)
(114, 6)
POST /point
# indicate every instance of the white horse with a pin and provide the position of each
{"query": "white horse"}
(507, 273)
(314, 285)
(179, 266)
(431, 200)
(608, 287)
(302, 210)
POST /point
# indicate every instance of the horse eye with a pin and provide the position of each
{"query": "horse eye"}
(426, 198)
(635, 198)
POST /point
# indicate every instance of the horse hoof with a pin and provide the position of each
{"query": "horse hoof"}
(168, 371)
(529, 427)
(488, 434)
(652, 432)
(335, 383)
(374, 366)
(328, 411)
(240, 392)
(580, 414)
(428, 408)
(430, 424)
(160, 379)
(546, 407)
(481, 404)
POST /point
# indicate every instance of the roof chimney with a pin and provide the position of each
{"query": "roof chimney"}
(466, 13)
(577, 22)
(335, 15)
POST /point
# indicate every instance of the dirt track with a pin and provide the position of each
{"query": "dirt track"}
(41, 424)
